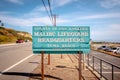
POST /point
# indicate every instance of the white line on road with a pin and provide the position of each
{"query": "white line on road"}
(111, 72)
(1, 45)
(16, 64)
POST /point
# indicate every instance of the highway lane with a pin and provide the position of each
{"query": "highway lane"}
(17, 61)
(106, 68)
(9, 55)
(106, 57)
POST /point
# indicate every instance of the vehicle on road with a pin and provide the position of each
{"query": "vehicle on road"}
(108, 49)
(117, 50)
(20, 41)
(113, 49)
(102, 48)
(26, 40)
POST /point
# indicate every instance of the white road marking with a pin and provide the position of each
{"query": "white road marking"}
(7, 44)
(16, 64)
(111, 72)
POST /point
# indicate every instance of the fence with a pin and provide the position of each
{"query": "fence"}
(104, 68)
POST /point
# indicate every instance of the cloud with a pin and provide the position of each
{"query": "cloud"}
(24, 22)
(59, 3)
(73, 17)
(109, 3)
(108, 33)
(100, 16)
(41, 8)
(36, 12)
(16, 1)
(110, 30)
(34, 17)
(63, 2)
(37, 16)
(44, 9)
(14, 21)
(62, 21)
(54, 3)
(5, 12)
(27, 22)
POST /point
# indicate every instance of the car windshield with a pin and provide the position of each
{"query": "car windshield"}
(114, 48)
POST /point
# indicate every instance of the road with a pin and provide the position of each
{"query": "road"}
(106, 68)
(17, 61)
(108, 58)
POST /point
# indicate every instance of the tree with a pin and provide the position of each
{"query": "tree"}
(2, 24)
(0, 21)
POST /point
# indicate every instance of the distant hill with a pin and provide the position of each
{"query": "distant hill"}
(10, 35)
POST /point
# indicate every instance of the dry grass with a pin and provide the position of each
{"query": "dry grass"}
(110, 53)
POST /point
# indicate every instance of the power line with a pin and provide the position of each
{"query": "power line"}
(53, 16)
(47, 11)
(50, 9)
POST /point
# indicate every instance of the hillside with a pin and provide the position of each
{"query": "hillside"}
(11, 35)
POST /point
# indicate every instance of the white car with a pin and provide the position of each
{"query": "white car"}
(117, 50)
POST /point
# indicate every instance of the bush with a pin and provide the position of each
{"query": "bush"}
(4, 38)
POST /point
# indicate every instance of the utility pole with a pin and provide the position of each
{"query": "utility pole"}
(54, 16)
(54, 24)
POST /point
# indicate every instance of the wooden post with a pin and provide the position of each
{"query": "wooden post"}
(42, 65)
(79, 62)
(49, 59)
(84, 62)
(61, 56)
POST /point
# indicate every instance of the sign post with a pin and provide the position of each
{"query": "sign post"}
(79, 63)
(48, 59)
(42, 65)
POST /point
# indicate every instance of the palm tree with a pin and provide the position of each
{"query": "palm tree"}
(2, 24)
(0, 21)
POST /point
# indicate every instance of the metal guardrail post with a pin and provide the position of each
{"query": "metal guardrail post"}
(112, 72)
(88, 60)
(93, 63)
(101, 68)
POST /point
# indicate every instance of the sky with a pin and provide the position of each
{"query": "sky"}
(103, 16)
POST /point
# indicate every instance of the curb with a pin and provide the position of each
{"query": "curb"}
(7, 44)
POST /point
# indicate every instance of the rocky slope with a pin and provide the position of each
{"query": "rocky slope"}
(11, 35)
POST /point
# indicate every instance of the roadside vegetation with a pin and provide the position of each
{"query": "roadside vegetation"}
(11, 35)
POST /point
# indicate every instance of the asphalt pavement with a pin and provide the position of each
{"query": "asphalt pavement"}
(109, 58)
(109, 63)
(17, 61)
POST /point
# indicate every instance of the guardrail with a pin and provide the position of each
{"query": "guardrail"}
(104, 68)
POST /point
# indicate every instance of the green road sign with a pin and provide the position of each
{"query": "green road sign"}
(61, 39)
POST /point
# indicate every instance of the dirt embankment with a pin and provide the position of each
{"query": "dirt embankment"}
(61, 69)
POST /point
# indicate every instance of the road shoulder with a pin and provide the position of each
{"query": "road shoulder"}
(62, 69)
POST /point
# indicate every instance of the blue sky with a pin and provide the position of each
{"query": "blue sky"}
(103, 16)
